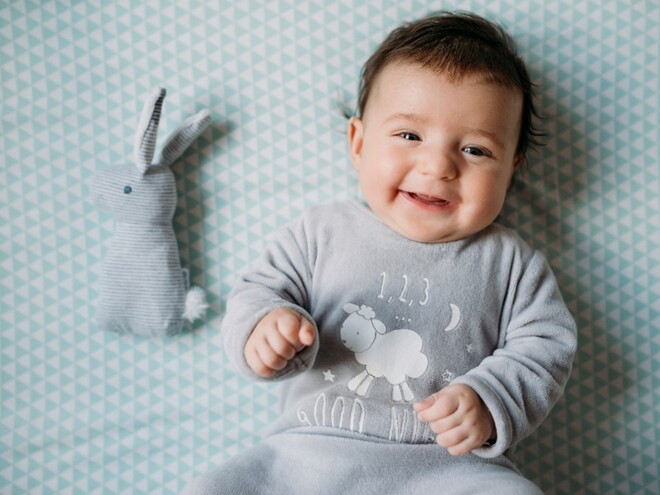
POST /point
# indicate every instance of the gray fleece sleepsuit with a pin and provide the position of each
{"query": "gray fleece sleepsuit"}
(397, 320)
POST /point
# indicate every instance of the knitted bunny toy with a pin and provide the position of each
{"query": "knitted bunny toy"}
(144, 291)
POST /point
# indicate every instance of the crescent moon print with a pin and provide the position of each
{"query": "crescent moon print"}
(455, 318)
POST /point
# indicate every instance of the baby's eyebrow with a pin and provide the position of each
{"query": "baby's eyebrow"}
(486, 134)
(413, 117)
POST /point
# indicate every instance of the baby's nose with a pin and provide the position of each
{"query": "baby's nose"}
(438, 165)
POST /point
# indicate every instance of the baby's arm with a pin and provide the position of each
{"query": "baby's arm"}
(524, 377)
(459, 418)
(276, 287)
(276, 339)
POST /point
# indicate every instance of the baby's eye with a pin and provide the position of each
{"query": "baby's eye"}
(409, 136)
(475, 151)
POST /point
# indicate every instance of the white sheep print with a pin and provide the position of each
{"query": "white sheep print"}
(394, 355)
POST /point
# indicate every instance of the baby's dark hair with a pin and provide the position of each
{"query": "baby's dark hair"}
(458, 44)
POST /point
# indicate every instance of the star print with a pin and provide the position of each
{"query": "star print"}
(328, 376)
(447, 376)
(469, 348)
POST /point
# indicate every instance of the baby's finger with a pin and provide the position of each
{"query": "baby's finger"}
(256, 364)
(288, 325)
(307, 332)
(435, 407)
(270, 358)
(281, 346)
(444, 425)
(424, 404)
(451, 438)
(464, 447)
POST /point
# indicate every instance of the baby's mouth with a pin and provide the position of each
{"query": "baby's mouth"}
(428, 200)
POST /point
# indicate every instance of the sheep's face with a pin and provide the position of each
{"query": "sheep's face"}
(357, 333)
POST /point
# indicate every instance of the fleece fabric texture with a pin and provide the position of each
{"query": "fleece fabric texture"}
(309, 461)
(398, 320)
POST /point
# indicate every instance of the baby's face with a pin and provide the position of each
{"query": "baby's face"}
(435, 157)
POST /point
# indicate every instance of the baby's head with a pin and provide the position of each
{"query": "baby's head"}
(458, 45)
(445, 116)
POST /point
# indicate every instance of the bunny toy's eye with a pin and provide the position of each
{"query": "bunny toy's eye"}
(128, 190)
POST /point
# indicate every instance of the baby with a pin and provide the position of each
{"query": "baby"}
(420, 340)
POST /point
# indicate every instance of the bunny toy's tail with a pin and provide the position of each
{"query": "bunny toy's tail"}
(196, 304)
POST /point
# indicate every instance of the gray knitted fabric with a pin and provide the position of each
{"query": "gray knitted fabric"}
(143, 288)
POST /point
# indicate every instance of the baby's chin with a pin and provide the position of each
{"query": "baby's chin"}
(429, 227)
(433, 234)
(440, 228)
(427, 236)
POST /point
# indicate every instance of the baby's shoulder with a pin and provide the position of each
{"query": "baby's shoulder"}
(497, 231)
(504, 240)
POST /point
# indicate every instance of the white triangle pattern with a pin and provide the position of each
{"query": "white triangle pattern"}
(83, 411)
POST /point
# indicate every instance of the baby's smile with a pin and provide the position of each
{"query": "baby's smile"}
(426, 200)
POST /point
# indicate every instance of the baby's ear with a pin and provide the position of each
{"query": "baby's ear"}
(518, 160)
(355, 140)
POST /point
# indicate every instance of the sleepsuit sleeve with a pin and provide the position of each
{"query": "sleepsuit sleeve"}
(526, 375)
(279, 279)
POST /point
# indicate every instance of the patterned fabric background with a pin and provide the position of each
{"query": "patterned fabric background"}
(83, 411)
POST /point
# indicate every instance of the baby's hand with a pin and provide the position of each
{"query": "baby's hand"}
(276, 339)
(459, 418)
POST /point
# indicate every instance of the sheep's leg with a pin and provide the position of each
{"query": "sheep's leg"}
(364, 386)
(355, 381)
(396, 393)
(407, 393)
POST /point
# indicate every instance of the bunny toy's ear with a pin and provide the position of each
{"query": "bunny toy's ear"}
(181, 138)
(145, 138)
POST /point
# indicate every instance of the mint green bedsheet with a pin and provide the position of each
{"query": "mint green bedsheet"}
(82, 411)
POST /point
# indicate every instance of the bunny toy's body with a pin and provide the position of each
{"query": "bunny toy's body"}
(143, 288)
